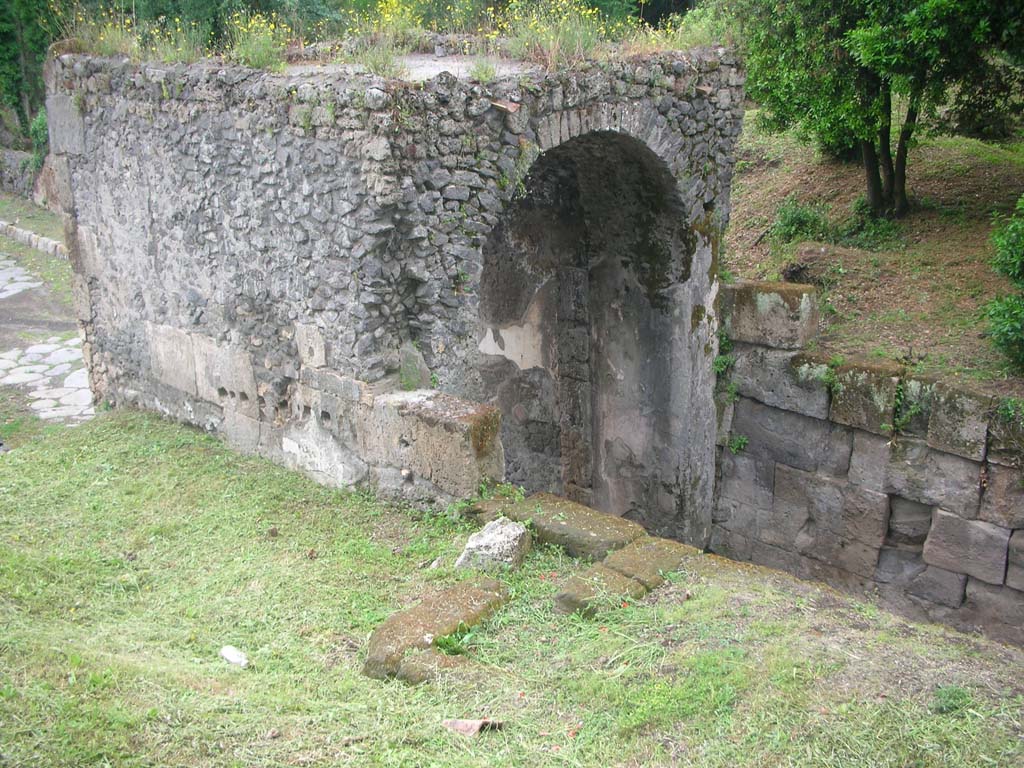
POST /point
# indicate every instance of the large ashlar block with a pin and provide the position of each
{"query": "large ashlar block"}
(959, 421)
(172, 357)
(224, 375)
(1015, 561)
(865, 396)
(780, 315)
(812, 445)
(781, 379)
(967, 546)
(1003, 500)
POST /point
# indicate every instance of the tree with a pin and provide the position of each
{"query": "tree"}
(24, 40)
(846, 71)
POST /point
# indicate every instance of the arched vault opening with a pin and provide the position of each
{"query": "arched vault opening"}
(588, 329)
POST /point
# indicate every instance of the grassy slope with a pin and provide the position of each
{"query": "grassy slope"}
(27, 215)
(917, 296)
(131, 549)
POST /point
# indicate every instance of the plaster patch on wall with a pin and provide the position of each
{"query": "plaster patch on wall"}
(522, 344)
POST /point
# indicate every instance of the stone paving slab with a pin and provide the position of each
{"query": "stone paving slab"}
(54, 376)
(436, 615)
(647, 560)
(596, 587)
(580, 530)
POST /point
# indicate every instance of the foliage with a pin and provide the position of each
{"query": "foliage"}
(709, 23)
(382, 58)
(555, 33)
(40, 136)
(257, 40)
(738, 443)
(483, 70)
(1006, 314)
(838, 71)
(796, 221)
(800, 221)
(24, 39)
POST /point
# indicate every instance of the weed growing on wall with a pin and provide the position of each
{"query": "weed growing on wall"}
(257, 40)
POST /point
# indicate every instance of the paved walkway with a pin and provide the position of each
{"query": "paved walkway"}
(50, 372)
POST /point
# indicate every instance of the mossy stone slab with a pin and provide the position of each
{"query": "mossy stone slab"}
(437, 615)
(580, 530)
(598, 586)
(647, 560)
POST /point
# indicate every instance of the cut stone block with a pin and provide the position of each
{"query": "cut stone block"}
(959, 421)
(587, 592)
(1002, 502)
(798, 441)
(1015, 561)
(730, 543)
(1005, 441)
(487, 510)
(967, 546)
(423, 666)
(437, 615)
(224, 376)
(171, 357)
(310, 342)
(865, 396)
(582, 531)
(647, 559)
(898, 566)
(921, 474)
(938, 585)
(918, 393)
(781, 315)
(500, 544)
(747, 479)
(909, 521)
(774, 378)
(999, 610)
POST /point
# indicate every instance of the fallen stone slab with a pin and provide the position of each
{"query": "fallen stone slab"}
(649, 559)
(580, 530)
(487, 510)
(596, 587)
(442, 613)
(501, 543)
(423, 666)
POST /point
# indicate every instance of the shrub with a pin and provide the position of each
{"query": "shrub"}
(800, 221)
(174, 40)
(257, 40)
(483, 70)
(39, 133)
(555, 33)
(1006, 314)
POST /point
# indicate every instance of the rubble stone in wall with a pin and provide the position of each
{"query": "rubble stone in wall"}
(973, 547)
(959, 421)
(780, 315)
(1002, 502)
(781, 379)
(865, 396)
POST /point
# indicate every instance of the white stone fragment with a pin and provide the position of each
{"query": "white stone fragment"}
(77, 379)
(232, 655)
(500, 544)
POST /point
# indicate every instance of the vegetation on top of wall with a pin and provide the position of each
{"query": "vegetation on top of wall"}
(1006, 314)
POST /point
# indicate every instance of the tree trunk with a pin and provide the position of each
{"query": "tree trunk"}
(870, 159)
(885, 146)
(900, 203)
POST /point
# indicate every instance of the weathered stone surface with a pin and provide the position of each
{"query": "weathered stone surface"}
(436, 615)
(898, 565)
(500, 544)
(1015, 561)
(909, 521)
(915, 412)
(582, 531)
(224, 375)
(423, 666)
(171, 357)
(648, 559)
(310, 342)
(730, 543)
(1002, 502)
(959, 421)
(66, 125)
(597, 586)
(939, 586)
(967, 546)
(780, 378)
(999, 611)
(798, 441)
(865, 396)
(921, 474)
(781, 315)
(1006, 440)
(485, 511)
(747, 479)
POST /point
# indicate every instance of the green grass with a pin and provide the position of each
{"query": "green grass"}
(27, 215)
(56, 272)
(132, 549)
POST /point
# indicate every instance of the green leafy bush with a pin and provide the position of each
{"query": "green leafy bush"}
(1006, 314)
(800, 221)
(39, 133)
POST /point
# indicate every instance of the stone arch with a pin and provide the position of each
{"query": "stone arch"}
(586, 307)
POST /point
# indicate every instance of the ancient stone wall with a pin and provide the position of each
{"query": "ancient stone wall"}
(276, 257)
(864, 475)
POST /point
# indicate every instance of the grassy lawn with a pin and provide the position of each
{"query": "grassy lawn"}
(132, 549)
(910, 290)
(23, 213)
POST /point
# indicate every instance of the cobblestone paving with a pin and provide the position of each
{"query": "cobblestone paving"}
(53, 375)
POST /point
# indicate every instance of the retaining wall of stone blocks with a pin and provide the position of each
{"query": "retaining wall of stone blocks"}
(864, 475)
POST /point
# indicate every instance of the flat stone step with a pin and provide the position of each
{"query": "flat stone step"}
(435, 616)
(627, 573)
(580, 530)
